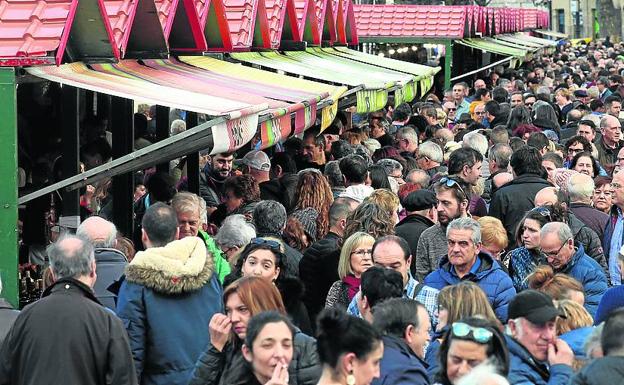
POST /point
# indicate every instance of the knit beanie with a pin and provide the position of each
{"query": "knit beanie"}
(307, 217)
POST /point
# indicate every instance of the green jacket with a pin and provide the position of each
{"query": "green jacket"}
(222, 267)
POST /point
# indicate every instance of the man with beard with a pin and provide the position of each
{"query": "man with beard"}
(452, 203)
(212, 178)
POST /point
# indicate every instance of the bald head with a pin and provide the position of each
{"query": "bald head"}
(99, 231)
(72, 257)
(546, 196)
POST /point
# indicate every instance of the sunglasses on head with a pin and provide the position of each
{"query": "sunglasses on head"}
(273, 245)
(543, 211)
(477, 334)
(448, 182)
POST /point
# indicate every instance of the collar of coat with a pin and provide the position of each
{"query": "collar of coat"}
(179, 267)
(73, 284)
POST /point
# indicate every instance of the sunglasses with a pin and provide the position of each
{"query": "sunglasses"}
(477, 334)
(448, 182)
(273, 245)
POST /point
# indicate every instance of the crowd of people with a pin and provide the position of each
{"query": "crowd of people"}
(473, 237)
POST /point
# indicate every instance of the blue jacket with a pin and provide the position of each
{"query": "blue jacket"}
(399, 365)
(166, 303)
(589, 273)
(490, 277)
(431, 356)
(526, 370)
(576, 339)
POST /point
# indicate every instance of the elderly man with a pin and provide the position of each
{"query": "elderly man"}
(234, 234)
(257, 164)
(110, 262)
(452, 203)
(407, 142)
(68, 333)
(392, 252)
(498, 162)
(465, 261)
(614, 232)
(537, 355)
(610, 142)
(170, 294)
(557, 244)
(420, 207)
(430, 159)
(187, 207)
(581, 190)
(404, 324)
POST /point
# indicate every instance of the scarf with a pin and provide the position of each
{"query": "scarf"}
(353, 285)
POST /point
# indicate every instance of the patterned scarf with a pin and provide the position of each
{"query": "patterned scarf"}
(353, 285)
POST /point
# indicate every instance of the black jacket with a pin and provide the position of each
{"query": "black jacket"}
(229, 367)
(514, 199)
(410, 229)
(8, 315)
(606, 370)
(280, 189)
(316, 275)
(67, 337)
(593, 218)
(110, 264)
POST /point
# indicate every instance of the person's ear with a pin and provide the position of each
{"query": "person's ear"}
(408, 262)
(247, 353)
(348, 362)
(278, 170)
(177, 236)
(93, 272)
(407, 334)
(145, 238)
(464, 206)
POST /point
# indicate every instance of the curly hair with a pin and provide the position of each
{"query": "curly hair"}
(313, 190)
(370, 218)
(244, 187)
(294, 233)
(385, 198)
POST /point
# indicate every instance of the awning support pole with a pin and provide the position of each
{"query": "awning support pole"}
(122, 123)
(448, 62)
(8, 187)
(192, 159)
(162, 131)
(71, 154)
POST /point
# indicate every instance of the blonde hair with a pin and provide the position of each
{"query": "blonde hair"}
(344, 264)
(493, 232)
(576, 316)
(465, 299)
(386, 199)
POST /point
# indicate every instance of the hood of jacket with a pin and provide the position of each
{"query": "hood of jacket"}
(416, 218)
(179, 267)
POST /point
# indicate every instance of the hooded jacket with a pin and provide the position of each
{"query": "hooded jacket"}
(166, 303)
(110, 266)
(589, 273)
(490, 277)
(524, 369)
(511, 201)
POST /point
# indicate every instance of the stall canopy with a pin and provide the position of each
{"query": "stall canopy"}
(517, 54)
(556, 35)
(370, 81)
(530, 42)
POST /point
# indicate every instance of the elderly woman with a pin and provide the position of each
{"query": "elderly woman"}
(235, 233)
(355, 258)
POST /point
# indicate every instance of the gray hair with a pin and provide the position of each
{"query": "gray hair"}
(178, 126)
(466, 224)
(408, 133)
(84, 228)
(333, 174)
(484, 373)
(593, 341)
(269, 217)
(561, 229)
(580, 188)
(235, 232)
(501, 154)
(390, 165)
(432, 151)
(68, 260)
(418, 176)
(476, 141)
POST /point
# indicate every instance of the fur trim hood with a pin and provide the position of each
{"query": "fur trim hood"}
(181, 266)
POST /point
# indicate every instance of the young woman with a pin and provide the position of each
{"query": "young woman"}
(243, 299)
(268, 349)
(355, 258)
(349, 348)
(265, 258)
(468, 343)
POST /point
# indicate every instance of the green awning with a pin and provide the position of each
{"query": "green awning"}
(548, 32)
(374, 82)
(489, 46)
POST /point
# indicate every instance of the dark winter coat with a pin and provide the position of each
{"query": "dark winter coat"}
(601, 371)
(524, 369)
(281, 190)
(318, 270)
(228, 366)
(399, 365)
(67, 337)
(8, 315)
(590, 216)
(514, 199)
(410, 229)
(490, 277)
(166, 303)
(110, 265)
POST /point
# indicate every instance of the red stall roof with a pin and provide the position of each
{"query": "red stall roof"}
(214, 23)
(180, 24)
(283, 21)
(244, 16)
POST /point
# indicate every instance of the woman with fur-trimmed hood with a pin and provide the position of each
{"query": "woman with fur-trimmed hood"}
(170, 294)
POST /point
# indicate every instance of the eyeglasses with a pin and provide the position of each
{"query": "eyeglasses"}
(452, 109)
(361, 253)
(574, 150)
(478, 113)
(452, 183)
(463, 330)
(273, 245)
(529, 104)
(554, 254)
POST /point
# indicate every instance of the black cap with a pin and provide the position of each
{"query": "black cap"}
(420, 200)
(533, 305)
(580, 93)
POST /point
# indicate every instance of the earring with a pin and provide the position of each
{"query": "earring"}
(350, 379)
